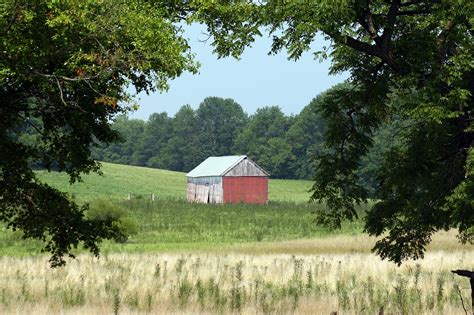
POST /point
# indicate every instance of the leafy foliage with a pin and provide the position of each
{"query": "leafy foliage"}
(283, 145)
(106, 211)
(220, 121)
(63, 71)
(409, 61)
(263, 140)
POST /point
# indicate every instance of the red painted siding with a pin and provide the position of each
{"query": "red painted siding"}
(245, 189)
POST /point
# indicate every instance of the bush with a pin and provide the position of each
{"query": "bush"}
(105, 210)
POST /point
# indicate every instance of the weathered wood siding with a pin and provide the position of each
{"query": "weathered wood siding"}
(205, 189)
(245, 167)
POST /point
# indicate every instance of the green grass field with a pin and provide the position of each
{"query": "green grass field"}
(171, 223)
(119, 180)
(174, 224)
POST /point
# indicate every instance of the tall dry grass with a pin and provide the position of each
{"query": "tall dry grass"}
(357, 283)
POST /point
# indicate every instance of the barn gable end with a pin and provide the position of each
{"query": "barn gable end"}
(246, 167)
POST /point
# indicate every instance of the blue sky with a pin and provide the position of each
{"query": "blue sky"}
(254, 81)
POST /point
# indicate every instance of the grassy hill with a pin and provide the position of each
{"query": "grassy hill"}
(119, 180)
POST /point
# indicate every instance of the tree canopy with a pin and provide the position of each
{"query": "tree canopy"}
(283, 145)
(64, 70)
(263, 139)
(409, 61)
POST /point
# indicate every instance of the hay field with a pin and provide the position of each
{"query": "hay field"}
(188, 283)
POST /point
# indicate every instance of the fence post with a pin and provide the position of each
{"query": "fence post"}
(152, 197)
(129, 196)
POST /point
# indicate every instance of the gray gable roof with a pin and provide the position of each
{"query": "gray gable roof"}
(217, 166)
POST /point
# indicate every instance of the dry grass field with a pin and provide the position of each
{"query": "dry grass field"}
(245, 279)
(238, 259)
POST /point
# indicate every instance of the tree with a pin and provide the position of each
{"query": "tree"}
(183, 151)
(263, 140)
(306, 138)
(156, 135)
(128, 149)
(64, 69)
(220, 121)
(408, 60)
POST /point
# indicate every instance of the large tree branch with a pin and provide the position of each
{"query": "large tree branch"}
(11, 21)
(372, 50)
(381, 49)
(388, 31)
(365, 19)
(64, 78)
(468, 274)
(414, 12)
(443, 41)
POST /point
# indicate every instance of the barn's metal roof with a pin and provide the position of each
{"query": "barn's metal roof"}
(216, 166)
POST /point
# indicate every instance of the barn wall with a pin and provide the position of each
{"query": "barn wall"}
(245, 189)
(245, 168)
(205, 189)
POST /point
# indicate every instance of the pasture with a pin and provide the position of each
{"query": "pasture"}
(194, 258)
(119, 180)
(173, 224)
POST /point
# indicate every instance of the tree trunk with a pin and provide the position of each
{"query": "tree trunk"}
(470, 275)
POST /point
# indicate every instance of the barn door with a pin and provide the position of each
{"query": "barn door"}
(203, 194)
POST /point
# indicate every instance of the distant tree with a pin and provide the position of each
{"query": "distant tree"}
(306, 136)
(276, 158)
(158, 130)
(220, 121)
(128, 149)
(64, 71)
(183, 151)
(263, 136)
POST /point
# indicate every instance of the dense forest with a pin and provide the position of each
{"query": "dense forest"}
(285, 146)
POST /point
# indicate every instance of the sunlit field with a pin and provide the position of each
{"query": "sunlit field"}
(170, 225)
(118, 181)
(234, 283)
(234, 259)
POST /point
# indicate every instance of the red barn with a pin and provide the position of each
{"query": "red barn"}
(228, 179)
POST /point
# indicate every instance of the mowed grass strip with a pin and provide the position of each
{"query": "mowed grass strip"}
(118, 181)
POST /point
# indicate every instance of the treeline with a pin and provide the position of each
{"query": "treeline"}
(285, 146)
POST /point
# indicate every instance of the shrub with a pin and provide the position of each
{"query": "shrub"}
(104, 210)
